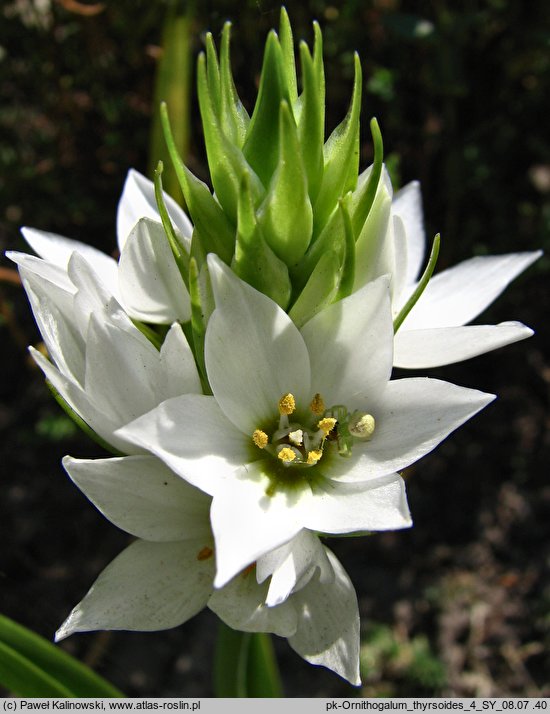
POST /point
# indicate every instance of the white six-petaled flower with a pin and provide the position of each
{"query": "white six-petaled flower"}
(304, 428)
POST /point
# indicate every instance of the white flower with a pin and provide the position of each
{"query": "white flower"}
(145, 281)
(103, 366)
(435, 331)
(304, 428)
(300, 591)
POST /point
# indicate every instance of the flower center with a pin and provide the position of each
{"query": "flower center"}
(302, 444)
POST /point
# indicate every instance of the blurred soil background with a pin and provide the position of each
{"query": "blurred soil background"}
(460, 604)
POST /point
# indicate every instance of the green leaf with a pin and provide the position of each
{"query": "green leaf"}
(255, 262)
(341, 158)
(311, 128)
(245, 665)
(226, 161)
(319, 290)
(210, 222)
(30, 666)
(261, 145)
(286, 216)
(234, 117)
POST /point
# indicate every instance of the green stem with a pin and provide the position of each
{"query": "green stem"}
(245, 665)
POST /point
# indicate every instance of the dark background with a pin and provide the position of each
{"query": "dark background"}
(458, 605)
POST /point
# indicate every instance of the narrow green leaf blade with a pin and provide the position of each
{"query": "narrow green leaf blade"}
(48, 664)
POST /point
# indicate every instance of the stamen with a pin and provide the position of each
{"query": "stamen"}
(287, 404)
(362, 426)
(286, 455)
(327, 425)
(296, 437)
(260, 438)
(317, 405)
(314, 456)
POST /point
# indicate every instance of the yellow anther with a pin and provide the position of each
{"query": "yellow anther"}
(362, 426)
(314, 456)
(317, 405)
(327, 425)
(296, 437)
(286, 455)
(260, 438)
(287, 404)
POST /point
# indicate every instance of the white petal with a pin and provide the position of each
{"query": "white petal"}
(121, 371)
(42, 271)
(57, 250)
(458, 295)
(83, 404)
(149, 586)
(374, 247)
(350, 346)
(143, 497)
(254, 353)
(422, 349)
(412, 418)
(292, 566)
(138, 201)
(151, 286)
(63, 340)
(179, 373)
(241, 605)
(92, 296)
(378, 504)
(193, 437)
(407, 204)
(248, 523)
(399, 277)
(328, 624)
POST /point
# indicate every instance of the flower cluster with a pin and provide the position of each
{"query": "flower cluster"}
(238, 365)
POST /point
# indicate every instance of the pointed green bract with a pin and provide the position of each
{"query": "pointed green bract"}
(287, 46)
(341, 157)
(261, 147)
(288, 211)
(227, 162)
(254, 260)
(234, 117)
(311, 130)
(347, 277)
(210, 221)
(178, 251)
(285, 216)
(319, 291)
